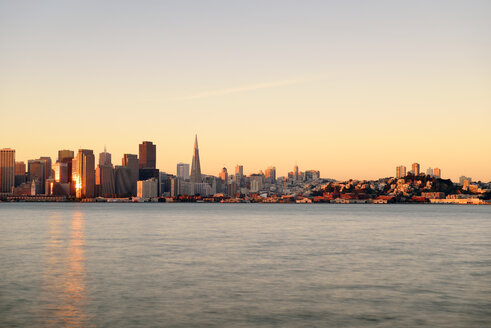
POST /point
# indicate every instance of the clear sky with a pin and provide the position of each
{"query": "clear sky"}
(351, 88)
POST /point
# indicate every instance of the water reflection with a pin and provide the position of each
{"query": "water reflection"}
(64, 285)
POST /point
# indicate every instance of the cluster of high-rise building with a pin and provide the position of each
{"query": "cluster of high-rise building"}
(415, 170)
(78, 175)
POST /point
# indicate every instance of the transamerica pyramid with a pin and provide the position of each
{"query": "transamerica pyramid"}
(195, 166)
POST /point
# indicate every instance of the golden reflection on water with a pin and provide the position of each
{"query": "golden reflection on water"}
(64, 294)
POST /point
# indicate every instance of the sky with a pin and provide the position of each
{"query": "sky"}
(350, 88)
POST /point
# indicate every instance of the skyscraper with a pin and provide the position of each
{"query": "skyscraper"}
(270, 174)
(61, 172)
(20, 173)
(437, 173)
(104, 175)
(131, 162)
(64, 155)
(104, 180)
(47, 166)
(295, 172)
(239, 175)
(400, 171)
(7, 170)
(224, 180)
(105, 158)
(122, 180)
(83, 173)
(147, 155)
(224, 174)
(195, 165)
(416, 168)
(183, 171)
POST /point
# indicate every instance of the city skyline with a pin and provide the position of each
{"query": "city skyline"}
(352, 88)
(76, 177)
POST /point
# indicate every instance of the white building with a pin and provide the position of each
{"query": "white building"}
(203, 189)
(147, 189)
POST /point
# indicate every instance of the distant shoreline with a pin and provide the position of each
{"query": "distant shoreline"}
(236, 203)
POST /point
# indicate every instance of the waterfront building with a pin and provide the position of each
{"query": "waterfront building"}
(147, 188)
(7, 170)
(415, 168)
(35, 187)
(131, 162)
(400, 171)
(433, 195)
(83, 173)
(183, 171)
(24, 189)
(437, 173)
(195, 164)
(148, 153)
(60, 189)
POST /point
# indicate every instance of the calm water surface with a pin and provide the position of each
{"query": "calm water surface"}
(214, 265)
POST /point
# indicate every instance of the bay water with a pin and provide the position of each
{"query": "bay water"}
(244, 265)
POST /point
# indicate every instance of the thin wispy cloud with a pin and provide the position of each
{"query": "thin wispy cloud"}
(257, 86)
